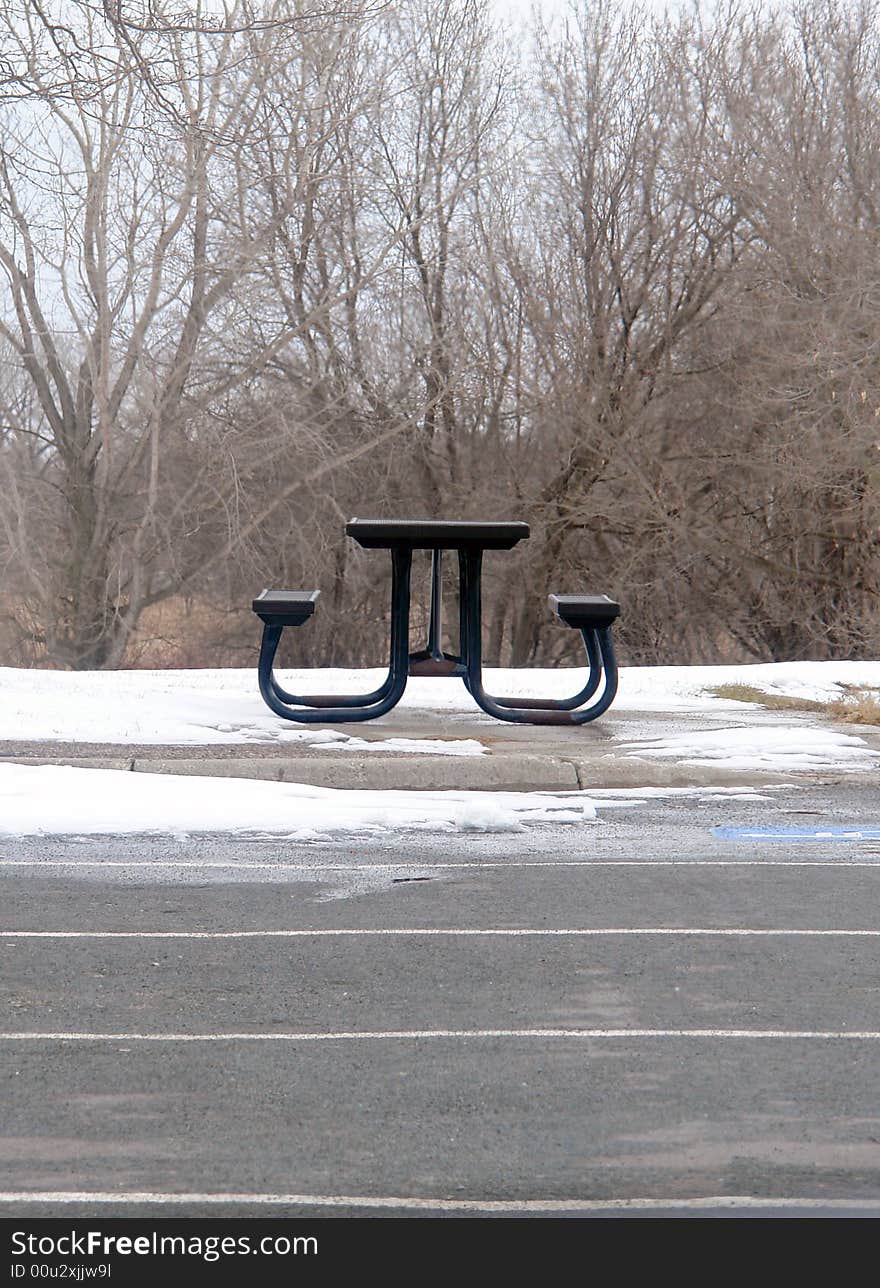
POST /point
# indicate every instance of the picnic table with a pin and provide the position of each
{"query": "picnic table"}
(592, 615)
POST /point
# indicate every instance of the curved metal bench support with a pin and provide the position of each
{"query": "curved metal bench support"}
(330, 709)
(594, 657)
(600, 651)
(334, 700)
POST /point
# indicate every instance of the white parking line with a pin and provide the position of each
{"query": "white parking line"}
(523, 932)
(427, 1204)
(415, 1035)
(416, 865)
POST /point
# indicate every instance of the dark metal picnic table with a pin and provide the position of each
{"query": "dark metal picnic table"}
(592, 615)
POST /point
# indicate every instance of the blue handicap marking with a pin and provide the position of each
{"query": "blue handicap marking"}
(838, 832)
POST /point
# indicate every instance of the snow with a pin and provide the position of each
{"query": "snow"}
(184, 708)
(687, 688)
(767, 747)
(55, 800)
(224, 706)
(209, 707)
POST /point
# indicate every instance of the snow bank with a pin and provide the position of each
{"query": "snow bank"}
(60, 800)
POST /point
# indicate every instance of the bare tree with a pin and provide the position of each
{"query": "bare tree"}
(638, 224)
(128, 237)
(268, 264)
(795, 396)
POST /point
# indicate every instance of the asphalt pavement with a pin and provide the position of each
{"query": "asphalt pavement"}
(637, 1016)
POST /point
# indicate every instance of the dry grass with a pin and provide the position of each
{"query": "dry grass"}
(182, 634)
(855, 706)
(861, 706)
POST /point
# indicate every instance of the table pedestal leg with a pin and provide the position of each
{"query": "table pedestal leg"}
(431, 660)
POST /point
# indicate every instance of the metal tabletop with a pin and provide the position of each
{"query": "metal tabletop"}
(435, 534)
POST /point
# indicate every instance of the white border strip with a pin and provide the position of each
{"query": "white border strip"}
(521, 932)
(131, 1197)
(415, 1035)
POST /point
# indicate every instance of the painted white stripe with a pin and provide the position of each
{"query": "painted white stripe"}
(413, 1035)
(415, 866)
(521, 932)
(131, 1197)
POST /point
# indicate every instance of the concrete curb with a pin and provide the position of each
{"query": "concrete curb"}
(370, 772)
(414, 772)
(539, 758)
(379, 773)
(74, 762)
(635, 771)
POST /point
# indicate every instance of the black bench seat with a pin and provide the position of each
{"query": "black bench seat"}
(285, 607)
(585, 612)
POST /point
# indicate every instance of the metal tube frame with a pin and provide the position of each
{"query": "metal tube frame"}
(326, 709)
(342, 708)
(600, 653)
(431, 660)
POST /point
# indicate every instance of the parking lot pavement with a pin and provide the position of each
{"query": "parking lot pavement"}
(573, 1021)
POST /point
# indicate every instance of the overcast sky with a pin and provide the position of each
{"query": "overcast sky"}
(521, 9)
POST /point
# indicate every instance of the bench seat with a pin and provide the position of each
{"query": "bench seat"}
(285, 607)
(585, 612)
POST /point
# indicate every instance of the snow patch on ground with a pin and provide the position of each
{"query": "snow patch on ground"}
(184, 708)
(688, 688)
(60, 800)
(773, 747)
(209, 707)
(224, 706)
